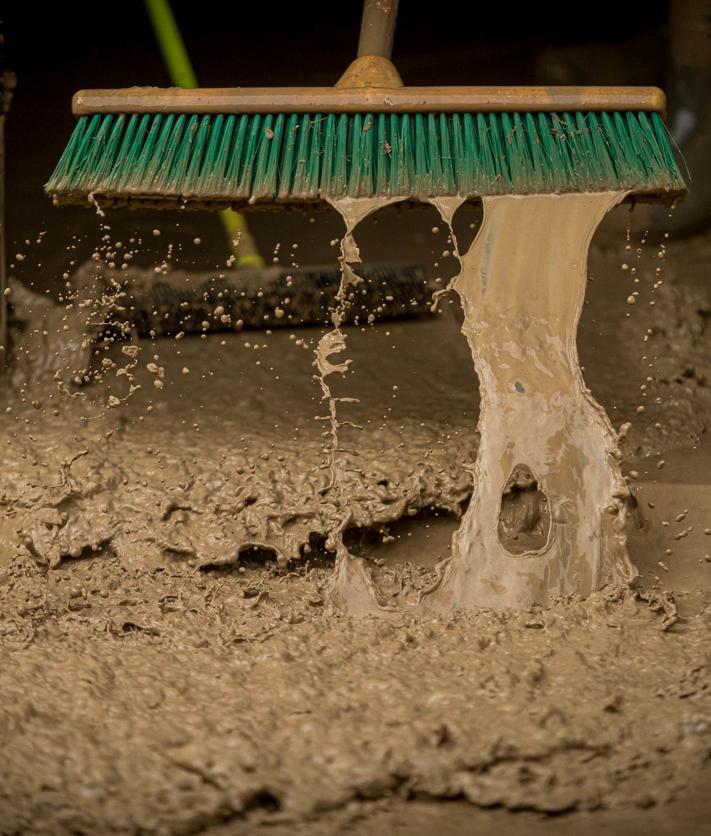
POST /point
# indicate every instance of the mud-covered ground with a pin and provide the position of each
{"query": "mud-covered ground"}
(171, 662)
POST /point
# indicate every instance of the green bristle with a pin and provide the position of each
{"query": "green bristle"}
(447, 182)
(298, 177)
(468, 158)
(233, 158)
(288, 153)
(230, 159)
(313, 166)
(340, 180)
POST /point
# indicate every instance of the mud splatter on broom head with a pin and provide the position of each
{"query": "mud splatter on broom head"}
(367, 136)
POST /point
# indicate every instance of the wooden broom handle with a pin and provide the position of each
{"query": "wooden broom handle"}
(377, 28)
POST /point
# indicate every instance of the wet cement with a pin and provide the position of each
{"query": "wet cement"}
(522, 287)
(146, 691)
(172, 701)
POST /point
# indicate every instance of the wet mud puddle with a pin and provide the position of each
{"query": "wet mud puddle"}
(548, 511)
(172, 662)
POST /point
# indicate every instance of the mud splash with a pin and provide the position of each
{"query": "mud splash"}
(352, 588)
(562, 533)
(522, 287)
(145, 690)
(71, 488)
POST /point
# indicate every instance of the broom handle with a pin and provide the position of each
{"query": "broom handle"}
(377, 28)
(182, 74)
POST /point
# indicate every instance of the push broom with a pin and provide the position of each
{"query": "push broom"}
(253, 294)
(547, 512)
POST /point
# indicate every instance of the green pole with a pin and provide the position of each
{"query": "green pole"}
(171, 44)
(181, 72)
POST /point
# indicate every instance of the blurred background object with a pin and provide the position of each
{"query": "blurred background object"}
(685, 75)
(689, 82)
(7, 85)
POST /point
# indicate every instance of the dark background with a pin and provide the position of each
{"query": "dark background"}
(57, 48)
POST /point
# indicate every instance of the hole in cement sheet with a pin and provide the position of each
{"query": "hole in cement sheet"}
(524, 519)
